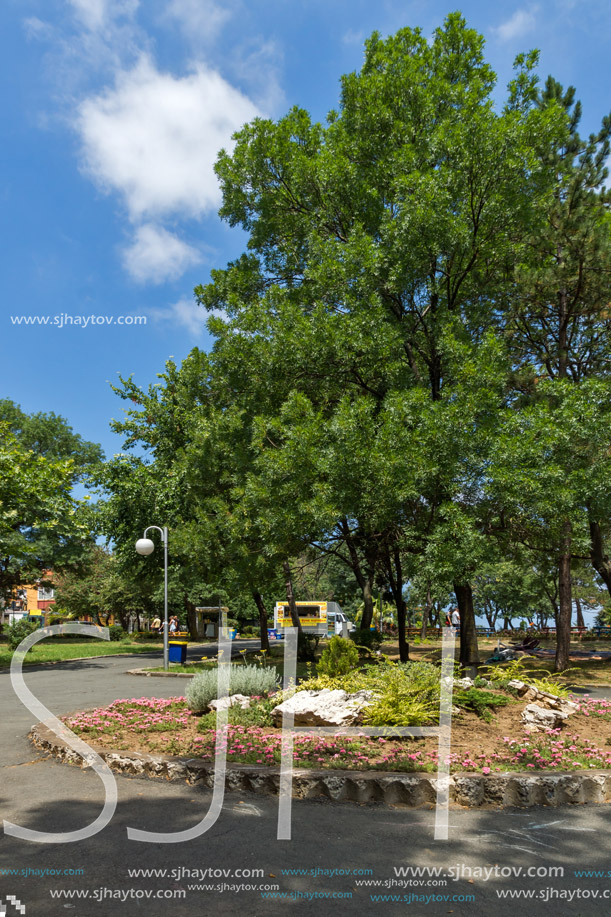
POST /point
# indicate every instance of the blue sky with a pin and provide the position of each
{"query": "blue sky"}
(113, 111)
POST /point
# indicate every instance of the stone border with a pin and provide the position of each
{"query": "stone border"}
(147, 673)
(471, 790)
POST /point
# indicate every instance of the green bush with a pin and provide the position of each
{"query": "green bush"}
(339, 657)
(251, 680)
(307, 644)
(116, 632)
(257, 715)
(404, 694)
(481, 702)
(370, 639)
(18, 631)
(542, 679)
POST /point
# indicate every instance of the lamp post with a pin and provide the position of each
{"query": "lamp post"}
(145, 547)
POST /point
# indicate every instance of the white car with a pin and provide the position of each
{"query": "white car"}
(335, 622)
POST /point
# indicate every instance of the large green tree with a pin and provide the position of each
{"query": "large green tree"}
(41, 527)
(375, 242)
(50, 435)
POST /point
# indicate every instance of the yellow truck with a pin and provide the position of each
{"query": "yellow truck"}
(321, 618)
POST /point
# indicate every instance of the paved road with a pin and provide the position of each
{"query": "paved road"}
(42, 794)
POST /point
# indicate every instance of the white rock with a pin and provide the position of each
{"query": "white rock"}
(463, 682)
(234, 700)
(323, 708)
(538, 719)
(517, 685)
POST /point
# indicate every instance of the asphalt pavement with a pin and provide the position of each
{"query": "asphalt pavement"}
(333, 851)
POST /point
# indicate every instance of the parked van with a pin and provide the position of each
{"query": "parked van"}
(336, 621)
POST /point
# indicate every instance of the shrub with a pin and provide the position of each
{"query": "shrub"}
(550, 685)
(400, 704)
(481, 702)
(370, 639)
(542, 679)
(257, 715)
(243, 679)
(307, 644)
(339, 657)
(19, 631)
(404, 694)
(116, 632)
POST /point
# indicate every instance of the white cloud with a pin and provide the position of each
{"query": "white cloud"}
(154, 138)
(96, 14)
(199, 20)
(36, 28)
(522, 22)
(354, 37)
(184, 313)
(156, 255)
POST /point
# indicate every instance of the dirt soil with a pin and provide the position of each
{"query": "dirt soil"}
(473, 740)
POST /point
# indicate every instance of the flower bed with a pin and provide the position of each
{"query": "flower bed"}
(167, 726)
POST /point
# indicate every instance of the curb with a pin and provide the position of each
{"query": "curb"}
(389, 788)
(148, 674)
(7, 668)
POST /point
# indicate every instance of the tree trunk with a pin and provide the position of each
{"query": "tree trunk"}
(262, 619)
(395, 573)
(191, 618)
(290, 597)
(600, 560)
(365, 582)
(580, 620)
(491, 616)
(565, 603)
(426, 612)
(367, 603)
(469, 652)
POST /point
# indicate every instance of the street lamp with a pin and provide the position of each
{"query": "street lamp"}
(145, 547)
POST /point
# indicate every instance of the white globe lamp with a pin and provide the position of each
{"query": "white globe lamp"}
(145, 546)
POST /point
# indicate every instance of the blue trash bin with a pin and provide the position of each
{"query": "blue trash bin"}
(177, 651)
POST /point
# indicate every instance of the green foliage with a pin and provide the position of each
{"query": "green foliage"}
(374, 391)
(51, 436)
(504, 671)
(250, 680)
(404, 694)
(338, 658)
(517, 669)
(18, 631)
(401, 703)
(370, 639)
(40, 523)
(481, 702)
(549, 684)
(307, 645)
(101, 588)
(116, 632)
(259, 714)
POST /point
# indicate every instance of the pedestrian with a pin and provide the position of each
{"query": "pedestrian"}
(156, 625)
(173, 624)
(448, 619)
(455, 618)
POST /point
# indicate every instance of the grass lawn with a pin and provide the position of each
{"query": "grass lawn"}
(55, 649)
(275, 658)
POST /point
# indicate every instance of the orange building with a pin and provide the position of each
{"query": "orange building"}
(29, 599)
